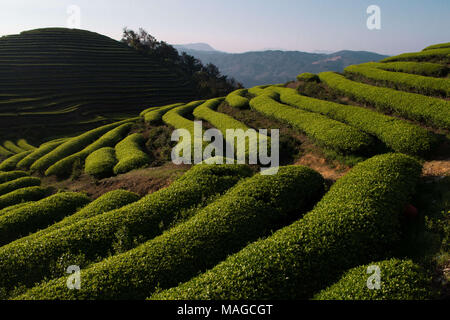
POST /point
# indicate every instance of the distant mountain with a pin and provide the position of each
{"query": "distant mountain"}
(194, 46)
(275, 66)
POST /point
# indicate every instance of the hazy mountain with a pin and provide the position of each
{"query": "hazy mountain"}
(275, 66)
(194, 46)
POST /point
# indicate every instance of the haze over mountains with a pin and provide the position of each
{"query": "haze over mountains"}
(275, 66)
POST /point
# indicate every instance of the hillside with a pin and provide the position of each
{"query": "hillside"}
(75, 79)
(266, 67)
(363, 184)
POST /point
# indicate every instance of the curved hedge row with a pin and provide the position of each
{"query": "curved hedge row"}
(308, 77)
(11, 175)
(130, 155)
(45, 148)
(433, 111)
(356, 222)
(109, 201)
(101, 163)
(18, 184)
(400, 280)
(155, 116)
(440, 53)
(39, 215)
(11, 146)
(11, 163)
(27, 262)
(327, 132)
(23, 195)
(420, 68)
(397, 134)
(13, 207)
(23, 144)
(4, 152)
(73, 145)
(250, 210)
(402, 81)
(438, 46)
(237, 99)
(109, 139)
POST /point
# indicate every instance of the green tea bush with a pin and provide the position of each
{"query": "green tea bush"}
(73, 145)
(23, 195)
(4, 152)
(402, 81)
(11, 146)
(356, 222)
(109, 139)
(13, 207)
(155, 116)
(101, 163)
(109, 201)
(11, 163)
(11, 175)
(421, 68)
(400, 280)
(18, 184)
(29, 261)
(237, 99)
(23, 144)
(250, 210)
(327, 132)
(432, 111)
(441, 53)
(438, 46)
(308, 77)
(130, 155)
(399, 135)
(39, 215)
(45, 148)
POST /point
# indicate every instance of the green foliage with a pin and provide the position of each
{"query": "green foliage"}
(18, 183)
(45, 148)
(250, 210)
(356, 222)
(327, 132)
(308, 77)
(432, 111)
(130, 155)
(28, 260)
(109, 139)
(441, 54)
(397, 134)
(237, 99)
(4, 152)
(402, 81)
(155, 116)
(420, 68)
(11, 175)
(23, 144)
(100, 163)
(11, 163)
(39, 215)
(438, 46)
(23, 195)
(72, 146)
(400, 280)
(9, 145)
(13, 207)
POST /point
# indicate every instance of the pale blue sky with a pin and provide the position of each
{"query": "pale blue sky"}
(245, 25)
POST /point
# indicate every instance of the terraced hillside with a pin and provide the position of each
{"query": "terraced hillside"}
(76, 79)
(364, 180)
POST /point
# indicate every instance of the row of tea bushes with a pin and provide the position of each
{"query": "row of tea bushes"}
(421, 68)
(24, 195)
(432, 111)
(155, 115)
(357, 221)
(11, 162)
(250, 210)
(130, 154)
(101, 163)
(441, 54)
(28, 261)
(237, 99)
(45, 148)
(19, 183)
